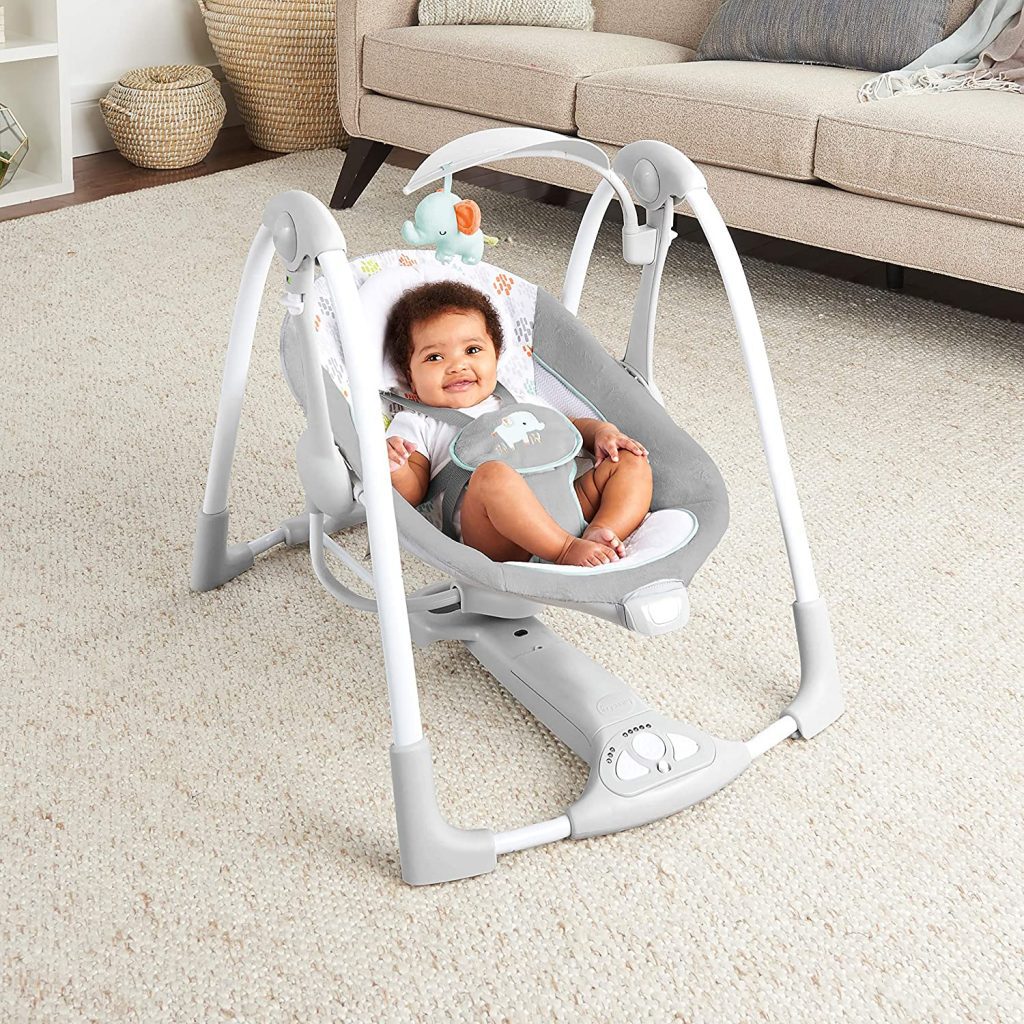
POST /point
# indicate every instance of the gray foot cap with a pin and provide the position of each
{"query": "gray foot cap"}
(819, 701)
(214, 562)
(431, 849)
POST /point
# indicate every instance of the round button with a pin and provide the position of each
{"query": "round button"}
(648, 745)
(646, 182)
(286, 238)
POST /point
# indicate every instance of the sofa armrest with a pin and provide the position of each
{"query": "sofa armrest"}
(355, 20)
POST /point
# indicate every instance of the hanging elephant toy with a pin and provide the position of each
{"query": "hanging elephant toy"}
(450, 224)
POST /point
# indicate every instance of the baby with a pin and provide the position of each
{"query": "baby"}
(445, 338)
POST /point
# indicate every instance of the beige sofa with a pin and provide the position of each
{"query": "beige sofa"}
(933, 181)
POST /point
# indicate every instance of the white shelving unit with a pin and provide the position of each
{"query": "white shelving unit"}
(33, 83)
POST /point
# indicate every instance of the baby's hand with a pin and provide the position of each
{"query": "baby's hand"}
(399, 451)
(609, 439)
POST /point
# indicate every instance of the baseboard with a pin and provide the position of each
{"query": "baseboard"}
(88, 130)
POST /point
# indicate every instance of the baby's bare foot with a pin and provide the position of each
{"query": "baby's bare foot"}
(578, 551)
(602, 535)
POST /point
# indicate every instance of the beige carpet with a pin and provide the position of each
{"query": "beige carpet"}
(196, 810)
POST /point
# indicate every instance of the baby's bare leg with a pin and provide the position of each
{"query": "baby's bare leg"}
(503, 518)
(616, 496)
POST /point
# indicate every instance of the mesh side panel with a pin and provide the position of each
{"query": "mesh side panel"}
(291, 360)
(552, 390)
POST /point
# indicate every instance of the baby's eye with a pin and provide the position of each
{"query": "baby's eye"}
(432, 357)
(473, 349)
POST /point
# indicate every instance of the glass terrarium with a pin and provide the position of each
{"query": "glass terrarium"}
(13, 145)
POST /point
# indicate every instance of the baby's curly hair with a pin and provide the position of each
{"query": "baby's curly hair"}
(424, 303)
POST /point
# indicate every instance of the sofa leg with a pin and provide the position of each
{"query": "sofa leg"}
(362, 161)
(893, 277)
(556, 195)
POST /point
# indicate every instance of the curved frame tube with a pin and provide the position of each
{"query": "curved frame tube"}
(629, 217)
(406, 725)
(377, 495)
(766, 404)
(236, 370)
(583, 247)
(755, 358)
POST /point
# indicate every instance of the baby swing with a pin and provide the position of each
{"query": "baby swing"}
(643, 765)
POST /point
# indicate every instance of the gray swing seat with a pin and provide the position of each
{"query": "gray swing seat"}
(645, 592)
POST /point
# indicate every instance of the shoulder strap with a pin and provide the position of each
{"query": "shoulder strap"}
(503, 393)
(456, 417)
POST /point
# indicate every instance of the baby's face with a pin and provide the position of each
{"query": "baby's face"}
(453, 362)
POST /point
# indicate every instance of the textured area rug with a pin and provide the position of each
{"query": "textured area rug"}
(197, 821)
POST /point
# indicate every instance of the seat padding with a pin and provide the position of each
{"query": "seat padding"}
(660, 534)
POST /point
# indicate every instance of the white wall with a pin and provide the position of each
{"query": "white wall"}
(104, 40)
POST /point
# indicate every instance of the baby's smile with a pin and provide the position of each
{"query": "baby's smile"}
(454, 362)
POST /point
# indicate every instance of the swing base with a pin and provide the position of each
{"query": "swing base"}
(643, 765)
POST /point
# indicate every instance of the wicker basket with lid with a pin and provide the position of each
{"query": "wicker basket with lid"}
(164, 117)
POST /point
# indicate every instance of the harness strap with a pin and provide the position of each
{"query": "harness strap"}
(456, 417)
(451, 479)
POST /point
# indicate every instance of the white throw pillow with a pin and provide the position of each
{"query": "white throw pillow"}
(577, 14)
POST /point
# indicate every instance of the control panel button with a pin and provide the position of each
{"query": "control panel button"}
(649, 745)
(628, 768)
(682, 746)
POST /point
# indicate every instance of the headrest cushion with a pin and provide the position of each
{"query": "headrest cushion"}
(383, 277)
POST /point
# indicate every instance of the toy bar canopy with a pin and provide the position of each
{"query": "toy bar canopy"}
(502, 144)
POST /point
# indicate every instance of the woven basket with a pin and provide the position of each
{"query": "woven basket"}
(279, 57)
(166, 116)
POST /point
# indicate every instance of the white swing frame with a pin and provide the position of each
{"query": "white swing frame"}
(304, 234)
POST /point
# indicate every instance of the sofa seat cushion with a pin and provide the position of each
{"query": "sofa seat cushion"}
(960, 151)
(754, 117)
(514, 73)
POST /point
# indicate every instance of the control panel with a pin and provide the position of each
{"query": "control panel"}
(649, 750)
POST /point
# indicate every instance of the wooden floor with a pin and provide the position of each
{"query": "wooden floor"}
(105, 174)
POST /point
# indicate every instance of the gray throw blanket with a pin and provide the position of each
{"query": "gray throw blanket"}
(985, 52)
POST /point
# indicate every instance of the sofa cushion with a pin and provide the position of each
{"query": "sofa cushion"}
(959, 151)
(521, 74)
(755, 117)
